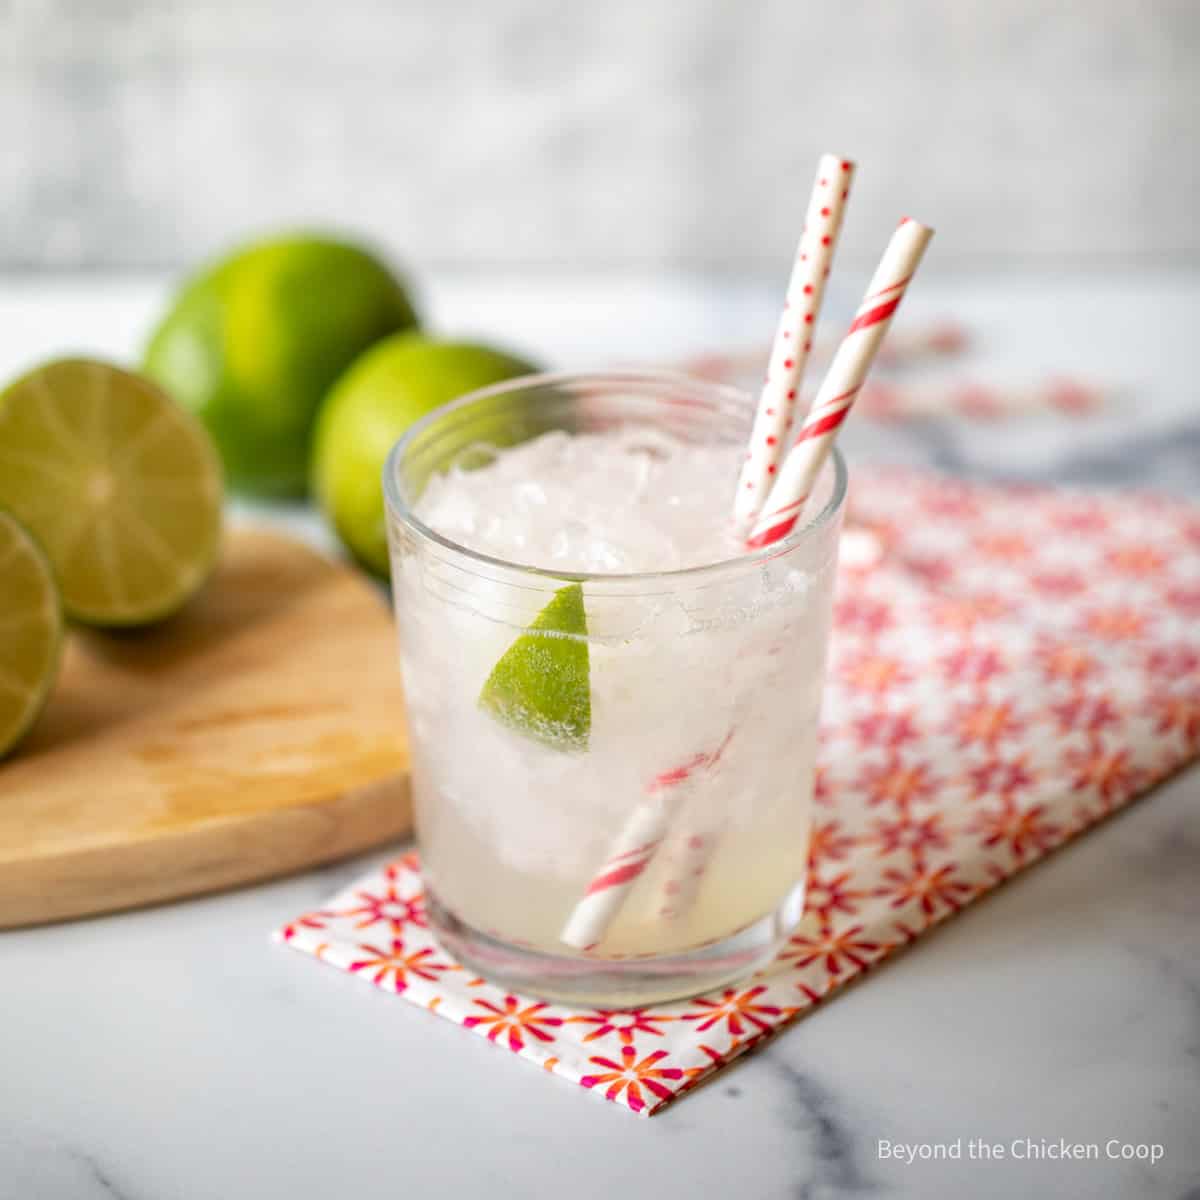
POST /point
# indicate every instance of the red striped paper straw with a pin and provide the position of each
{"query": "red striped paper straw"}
(639, 839)
(841, 384)
(794, 335)
(637, 843)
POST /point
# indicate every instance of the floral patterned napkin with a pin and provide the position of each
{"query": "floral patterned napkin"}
(1009, 666)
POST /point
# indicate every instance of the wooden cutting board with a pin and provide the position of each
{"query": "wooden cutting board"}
(259, 731)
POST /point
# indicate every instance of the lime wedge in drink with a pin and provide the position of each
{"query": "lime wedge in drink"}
(121, 487)
(541, 686)
(31, 625)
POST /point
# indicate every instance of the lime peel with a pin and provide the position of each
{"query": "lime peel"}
(541, 686)
(31, 630)
(392, 385)
(253, 342)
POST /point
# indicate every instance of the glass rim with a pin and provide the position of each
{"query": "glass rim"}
(403, 511)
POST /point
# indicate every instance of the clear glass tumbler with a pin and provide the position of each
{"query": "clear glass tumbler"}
(668, 856)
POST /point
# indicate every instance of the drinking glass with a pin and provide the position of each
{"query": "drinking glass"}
(694, 789)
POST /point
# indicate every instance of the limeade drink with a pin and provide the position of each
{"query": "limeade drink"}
(593, 666)
(670, 685)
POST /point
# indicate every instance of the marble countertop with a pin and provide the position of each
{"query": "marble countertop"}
(176, 1054)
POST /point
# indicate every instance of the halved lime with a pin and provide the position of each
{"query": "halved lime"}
(31, 624)
(121, 487)
(541, 686)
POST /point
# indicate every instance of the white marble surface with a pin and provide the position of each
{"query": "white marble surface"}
(176, 1054)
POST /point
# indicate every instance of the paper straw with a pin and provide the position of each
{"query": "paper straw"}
(841, 384)
(686, 857)
(794, 335)
(647, 827)
(637, 843)
(640, 837)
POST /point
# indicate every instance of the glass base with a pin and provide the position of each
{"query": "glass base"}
(622, 982)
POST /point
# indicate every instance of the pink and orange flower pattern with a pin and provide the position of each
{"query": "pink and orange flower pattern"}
(1017, 665)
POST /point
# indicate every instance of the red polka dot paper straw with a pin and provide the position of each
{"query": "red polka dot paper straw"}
(687, 859)
(794, 335)
(841, 384)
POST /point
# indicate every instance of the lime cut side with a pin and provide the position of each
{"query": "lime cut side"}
(541, 687)
(31, 625)
(121, 487)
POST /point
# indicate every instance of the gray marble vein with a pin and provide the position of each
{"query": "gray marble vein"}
(40, 1167)
(833, 1155)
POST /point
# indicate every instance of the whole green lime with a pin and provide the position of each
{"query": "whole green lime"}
(253, 342)
(370, 407)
